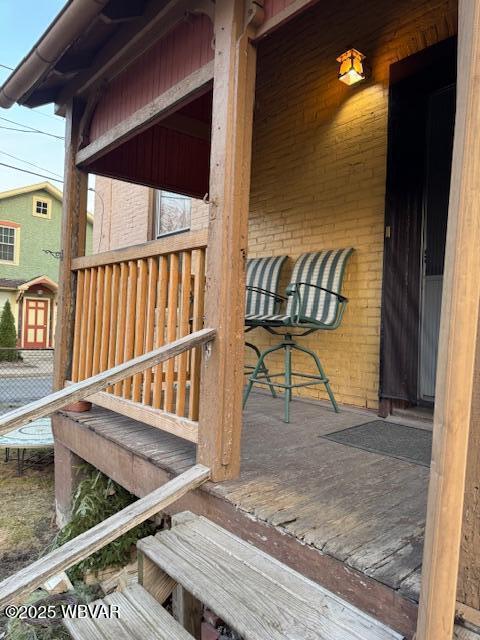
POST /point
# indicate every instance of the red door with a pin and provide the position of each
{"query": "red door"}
(36, 324)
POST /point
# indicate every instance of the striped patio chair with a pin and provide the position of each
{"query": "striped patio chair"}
(262, 299)
(313, 302)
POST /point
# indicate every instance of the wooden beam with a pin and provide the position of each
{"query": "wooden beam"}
(457, 346)
(73, 233)
(129, 42)
(188, 126)
(220, 421)
(21, 584)
(283, 16)
(85, 388)
(121, 12)
(194, 85)
(169, 422)
(169, 244)
(73, 63)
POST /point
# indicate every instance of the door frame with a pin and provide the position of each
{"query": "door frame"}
(46, 299)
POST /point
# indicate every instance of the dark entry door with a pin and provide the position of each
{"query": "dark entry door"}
(420, 138)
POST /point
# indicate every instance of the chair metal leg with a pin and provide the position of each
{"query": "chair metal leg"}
(260, 366)
(288, 381)
(264, 369)
(321, 371)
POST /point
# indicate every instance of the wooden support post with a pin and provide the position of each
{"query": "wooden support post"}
(222, 376)
(68, 474)
(188, 611)
(153, 579)
(468, 590)
(74, 220)
(457, 346)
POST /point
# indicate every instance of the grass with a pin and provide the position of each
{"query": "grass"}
(27, 515)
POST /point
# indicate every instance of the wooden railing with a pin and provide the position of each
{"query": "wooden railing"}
(131, 301)
(85, 388)
(18, 586)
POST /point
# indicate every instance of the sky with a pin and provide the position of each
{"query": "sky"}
(22, 22)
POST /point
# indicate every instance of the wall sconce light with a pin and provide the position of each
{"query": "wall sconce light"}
(351, 67)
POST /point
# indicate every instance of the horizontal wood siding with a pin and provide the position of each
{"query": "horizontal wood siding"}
(144, 302)
(185, 49)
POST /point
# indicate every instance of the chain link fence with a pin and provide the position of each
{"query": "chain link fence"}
(25, 375)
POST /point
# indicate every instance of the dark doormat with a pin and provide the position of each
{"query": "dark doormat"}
(388, 439)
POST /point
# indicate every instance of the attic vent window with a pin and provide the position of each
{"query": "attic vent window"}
(42, 207)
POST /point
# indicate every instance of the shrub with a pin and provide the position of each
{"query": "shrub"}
(97, 498)
(8, 335)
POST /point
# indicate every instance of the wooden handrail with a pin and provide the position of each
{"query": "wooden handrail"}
(86, 388)
(170, 244)
(22, 583)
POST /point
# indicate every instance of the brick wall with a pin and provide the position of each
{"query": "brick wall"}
(122, 214)
(319, 162)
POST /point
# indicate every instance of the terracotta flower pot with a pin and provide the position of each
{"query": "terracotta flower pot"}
(78, 407)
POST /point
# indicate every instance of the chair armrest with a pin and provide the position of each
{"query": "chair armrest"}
(266, 292)
(293, 288)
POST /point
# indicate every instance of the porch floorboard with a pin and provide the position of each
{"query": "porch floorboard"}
(364, 509)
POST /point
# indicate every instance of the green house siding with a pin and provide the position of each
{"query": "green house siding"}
(38, 237)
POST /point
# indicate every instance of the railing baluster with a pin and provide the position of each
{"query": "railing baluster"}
(183, 331)
(106, 318)
(91, 323)
(112, 338)
(130, 324)
(141, 306)
(121, 320)
(84, 326)
(79, 308)
(197, 323)
(160, 333)
(150, 325)
(171, 329)
(97, 341)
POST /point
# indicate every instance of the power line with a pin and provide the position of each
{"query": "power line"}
(33, 173)
(32, 164)
(42, 175)
(27, 126)
(4, 66)
(2, 126)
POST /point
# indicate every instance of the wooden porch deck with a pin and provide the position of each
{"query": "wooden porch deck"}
(350, 519)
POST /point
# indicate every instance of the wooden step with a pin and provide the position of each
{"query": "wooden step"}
(140, 617)
(256, 595)
(461, 633)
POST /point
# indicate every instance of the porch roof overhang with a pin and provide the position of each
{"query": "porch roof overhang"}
(40, 280)
(89, 35)
(50, 63)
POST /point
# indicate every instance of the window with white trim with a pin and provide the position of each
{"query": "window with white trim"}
(42, 207)
(172, 213)
(7, 243)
